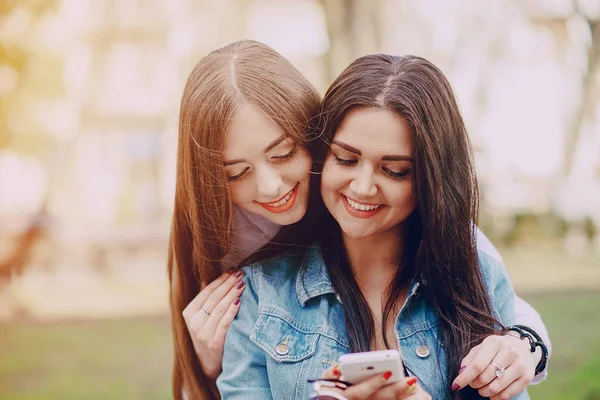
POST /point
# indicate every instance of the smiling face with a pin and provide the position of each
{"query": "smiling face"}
(367, 181)
(268, 172)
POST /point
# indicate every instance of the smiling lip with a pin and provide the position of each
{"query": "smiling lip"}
(284, 207)
(360, 213)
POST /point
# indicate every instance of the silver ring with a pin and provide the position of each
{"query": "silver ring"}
(206, 312)
(500, 372)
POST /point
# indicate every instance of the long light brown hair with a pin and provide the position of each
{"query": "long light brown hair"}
(241, 72)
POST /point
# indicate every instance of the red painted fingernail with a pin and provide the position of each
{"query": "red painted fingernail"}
(237, 301)
(387, 375)
(455, 387)
(240, 285)
(239, 273)
(411, 381)
(336, 371)
(462, 369)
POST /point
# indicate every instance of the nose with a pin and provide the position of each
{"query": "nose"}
(363, 185)
(268, 182)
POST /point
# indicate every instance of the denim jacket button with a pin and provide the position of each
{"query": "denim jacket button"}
(422, 351)
(282, 348)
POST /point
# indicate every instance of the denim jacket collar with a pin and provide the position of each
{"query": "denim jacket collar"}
(313, 279)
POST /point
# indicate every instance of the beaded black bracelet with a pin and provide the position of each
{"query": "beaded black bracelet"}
(538, 343)
(523, 335)
(530, 331)
(534, 341)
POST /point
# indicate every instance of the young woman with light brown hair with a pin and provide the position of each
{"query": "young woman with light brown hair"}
(242, 172)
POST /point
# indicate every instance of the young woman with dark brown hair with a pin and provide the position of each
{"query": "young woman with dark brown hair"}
(393, 259)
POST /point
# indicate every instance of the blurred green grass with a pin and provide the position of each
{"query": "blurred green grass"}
(573, 320)
(104, 359)
(131, 358)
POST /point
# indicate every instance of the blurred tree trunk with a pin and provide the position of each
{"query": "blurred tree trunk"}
(355, 29)
(589, 97)
(16, 261)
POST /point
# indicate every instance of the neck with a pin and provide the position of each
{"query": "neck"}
(375, 259)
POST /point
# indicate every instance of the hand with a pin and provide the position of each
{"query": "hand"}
(377, 387)
(209, 316)
(507, 352)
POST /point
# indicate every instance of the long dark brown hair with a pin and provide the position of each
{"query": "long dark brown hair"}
(245, 71)
(440, 245)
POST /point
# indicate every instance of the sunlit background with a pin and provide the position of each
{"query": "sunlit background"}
(89, 98)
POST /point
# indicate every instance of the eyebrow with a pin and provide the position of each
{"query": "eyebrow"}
(270, 147)
(396, 157)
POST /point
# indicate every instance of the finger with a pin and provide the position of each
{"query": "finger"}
(225, 322)
(332, 372)
(466, 361)
(366, 388)
(470, 357)
(214, 285)
(417, 393)
(330, 390)
(201, 297)
(498, 385)
(399, 390)
(219, 293)
(512, 390)
(219, 322)
(488, 350)
(503, 359)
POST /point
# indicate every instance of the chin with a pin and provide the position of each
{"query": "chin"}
(356, 236)
(287, 218)
(355, 232)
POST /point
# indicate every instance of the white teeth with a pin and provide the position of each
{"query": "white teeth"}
(361, 207)
(282, 201)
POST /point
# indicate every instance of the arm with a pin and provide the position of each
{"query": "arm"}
(525, 314)
(244, 373)
(502, 366)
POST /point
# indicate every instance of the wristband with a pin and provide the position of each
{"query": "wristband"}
(535, 341)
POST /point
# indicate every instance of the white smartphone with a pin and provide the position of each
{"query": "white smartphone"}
(357, 367)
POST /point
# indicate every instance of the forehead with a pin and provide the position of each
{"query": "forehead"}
(376, 131)
(251, 131)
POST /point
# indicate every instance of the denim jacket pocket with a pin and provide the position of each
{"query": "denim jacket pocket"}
(284, 341)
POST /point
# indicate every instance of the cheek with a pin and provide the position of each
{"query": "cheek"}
(327, 178)
(403, 197)
(298, 169)
(241, 192)
(303, 165)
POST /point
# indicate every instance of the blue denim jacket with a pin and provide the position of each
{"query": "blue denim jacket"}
(291, 328)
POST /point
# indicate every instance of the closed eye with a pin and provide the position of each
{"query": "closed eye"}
(287, 156)
(239, 176)
(396, 175)
(344, 161)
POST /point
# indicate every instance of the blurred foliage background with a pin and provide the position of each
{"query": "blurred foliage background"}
(89, 97)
